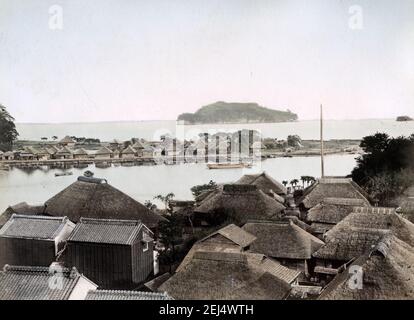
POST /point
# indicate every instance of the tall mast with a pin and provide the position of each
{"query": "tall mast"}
(322, 164)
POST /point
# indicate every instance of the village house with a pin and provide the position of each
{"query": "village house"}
(265, 183)
(213, 275)
(8, 155)
(330, 211)
(34, 283)
(20, 208)
(242, 202)
(356, 234)
(148, 152)
(95, 198)
(386, 271)
(33, 240)
(103, 153)
(115, 144)
(116, 254)
(52, 150)
(64, 153)
(126, 295)
(139, 147)
(38, 153)
(330, 188)
(80, 153)
(286, 242)
(67, 142)
(24, 155)
(128, 153)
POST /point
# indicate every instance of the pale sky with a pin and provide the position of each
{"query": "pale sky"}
(151, 60)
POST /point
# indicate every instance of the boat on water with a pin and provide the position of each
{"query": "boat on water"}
(61, 174)
(228, 165)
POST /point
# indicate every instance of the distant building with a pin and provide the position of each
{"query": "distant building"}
(64, 153)
(263, 182)
(33, 240)
(67, 142)
(80, 154)
(103, 153)
(128, 153)
(43, 283)
(115, 254)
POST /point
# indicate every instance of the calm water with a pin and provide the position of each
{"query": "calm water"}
(144, 182)
(151, 130)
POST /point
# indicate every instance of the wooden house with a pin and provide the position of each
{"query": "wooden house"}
(330, 211)
(115, 144)
(126, 295)
(139, 147)
(104, 153)
(24, 154)
(264, 182)
(241, 201)
(211, 275)
(67, 142)
(128, 153)
(8, 155)
(33, 240)
(115, 254)
(386, 271)
(80, 154)
(64, 153)
(38, 153)
(95, 198)
(330, 188)
(284, 241)
(43, 283)
(357, 233)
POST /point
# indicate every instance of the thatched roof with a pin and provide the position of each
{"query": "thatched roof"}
(138, 145)
(95, 198)
(245, 201)
(387, 272)
(263, 182)
(361, 230)
(104, 151)
(228, 239)
(222, 275)
(129, 150)
(64, 151)
(67, 139)
(282, 240)
(80, 152)
(331, 188)
(155, 283)
(333, 210)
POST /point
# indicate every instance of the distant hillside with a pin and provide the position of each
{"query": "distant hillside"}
(234, 112)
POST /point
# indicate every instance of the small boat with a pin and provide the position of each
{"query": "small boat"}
(61, 174)
(228, 165)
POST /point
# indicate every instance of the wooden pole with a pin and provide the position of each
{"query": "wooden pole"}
(322, 152)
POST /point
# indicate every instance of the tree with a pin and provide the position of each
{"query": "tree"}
(294, 182)
(150, 205)
(285, 182)
(165, 199)
(54, 138)
(43, 138)
(8, 132)
(197, 190)
(386, 168)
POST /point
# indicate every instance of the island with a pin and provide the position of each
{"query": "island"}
(404, 118)
(236, 112)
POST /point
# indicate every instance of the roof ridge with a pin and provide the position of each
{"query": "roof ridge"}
(37, 217)
(109, 221)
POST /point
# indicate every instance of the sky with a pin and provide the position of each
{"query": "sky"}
(121, 60)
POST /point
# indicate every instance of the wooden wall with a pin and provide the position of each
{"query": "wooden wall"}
(26, 252)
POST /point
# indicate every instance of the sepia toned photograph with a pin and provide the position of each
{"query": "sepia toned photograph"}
(216, 151)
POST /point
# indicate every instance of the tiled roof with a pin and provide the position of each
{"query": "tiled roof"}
(33, 227)
(125, 295)
(34, 283)
(106, 231)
